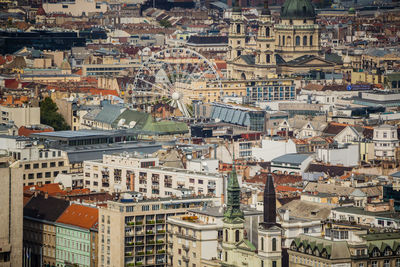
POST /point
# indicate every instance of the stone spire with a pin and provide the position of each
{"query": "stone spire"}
(266, 10)
(236, 7)
(269, 204)
(233, 203)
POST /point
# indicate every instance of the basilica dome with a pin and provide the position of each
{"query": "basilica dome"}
(297, 9)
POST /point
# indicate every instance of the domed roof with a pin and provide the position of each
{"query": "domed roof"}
(297, 9)
(65, 65)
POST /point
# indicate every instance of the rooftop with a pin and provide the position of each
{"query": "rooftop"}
(80, 216)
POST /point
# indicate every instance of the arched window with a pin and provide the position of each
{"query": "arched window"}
(267, 31)
(226, 235)
(283, 40)
(262, 243)
(268, 59)
(238, 28)
(289, 41)
(297, 40)
(273, 244)
(311, 40)
(279, 40)
(226, 256)
(237, 235)
(304, 40)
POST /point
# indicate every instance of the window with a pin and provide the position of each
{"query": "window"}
(226, 235)
(268, 58)
(386, 263)
(237, 235)
(374, 264)
(36, 165)
(39, 175)
(226, 256)
(27, 166)
(304, 40)
(397, 262)
(52, 164)
(297, 40)
(262, 243)
(47, 174)
(267, 31)
(200, 181)
(238, 28)
(273, 263)
(60, 163)
(311, 43)
(273, 244)
(44, 165)
(30, 176)
(361, 265)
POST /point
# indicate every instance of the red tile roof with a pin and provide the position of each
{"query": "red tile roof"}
(79, 215)
(55, 190)
(284, 188)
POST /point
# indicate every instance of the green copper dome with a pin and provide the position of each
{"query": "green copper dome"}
(297, 9)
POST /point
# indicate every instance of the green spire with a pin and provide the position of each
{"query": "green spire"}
(233, 204)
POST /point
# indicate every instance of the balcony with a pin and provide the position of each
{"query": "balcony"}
(150, 222)
(150, 242)
(211, 186)
(149, 232)
(129, 244)
(160, 241)
(139, 222)
(139, 243)
(128, 254)
(161, 251)
(130, 223)
(160, 221)
(149, 252)
(160, 231)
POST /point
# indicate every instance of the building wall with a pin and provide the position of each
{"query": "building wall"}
(72, 245)
(43, 169)
(11, 214)
(21, 116)
(345, 156)
(77, 8)
(151, 182)
(271, 149)
(139, 230)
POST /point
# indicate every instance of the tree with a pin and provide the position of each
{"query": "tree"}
(165, 23)
(50, 116)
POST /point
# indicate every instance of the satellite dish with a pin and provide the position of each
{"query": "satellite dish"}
(189, 157)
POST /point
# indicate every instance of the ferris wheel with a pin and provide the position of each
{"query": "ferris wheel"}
(172, 74)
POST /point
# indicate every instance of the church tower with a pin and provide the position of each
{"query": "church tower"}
(297, 34)
(269, 232)
(265, 38)
(237, 34)
(233, 232)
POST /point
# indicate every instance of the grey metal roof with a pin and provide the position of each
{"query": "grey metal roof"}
(95, 152)
(293, 158)
(396, 174)
(109, 114)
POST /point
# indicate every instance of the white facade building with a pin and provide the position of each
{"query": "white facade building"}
(119, 173)
(347, 156)
(385, 141)
(271, 149)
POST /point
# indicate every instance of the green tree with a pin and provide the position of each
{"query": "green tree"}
(165, 23)
(50, 116)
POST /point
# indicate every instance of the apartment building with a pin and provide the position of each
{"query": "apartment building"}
(192, 240)
(74, 236)
(346, 248)
(42, 165)
(135, 172)
(138, 233)
(20, 115)
(10, 213)
(40, 215)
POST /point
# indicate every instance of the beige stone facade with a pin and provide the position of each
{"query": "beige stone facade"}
(21, 116)
(193, 241)
(10, 214)
(139, 231)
